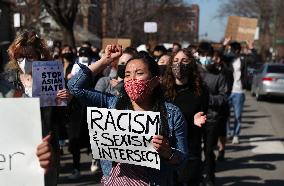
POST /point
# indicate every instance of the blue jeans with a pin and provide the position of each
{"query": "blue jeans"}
(237, 101)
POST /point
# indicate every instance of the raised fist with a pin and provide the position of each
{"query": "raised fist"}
(113, 52)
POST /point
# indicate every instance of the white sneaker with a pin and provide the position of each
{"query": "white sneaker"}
(235, 140)
(95, 166)
(75, 174)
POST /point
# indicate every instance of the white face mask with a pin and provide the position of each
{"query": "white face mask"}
(26, 66)
(84, 60)
(204, 60)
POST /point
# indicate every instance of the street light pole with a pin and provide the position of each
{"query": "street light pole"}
(275, 2)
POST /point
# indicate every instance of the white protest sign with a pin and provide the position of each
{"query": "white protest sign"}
(150, 27)
(48, 79)
(17, 20)
(20, 131)
(124, 135)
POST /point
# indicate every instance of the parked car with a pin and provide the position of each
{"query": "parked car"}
(268, 81)
(250, 74)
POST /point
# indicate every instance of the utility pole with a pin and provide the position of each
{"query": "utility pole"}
(275, 12)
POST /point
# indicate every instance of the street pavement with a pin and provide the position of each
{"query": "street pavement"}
(87, 178)
(259, 158)
(257, 161)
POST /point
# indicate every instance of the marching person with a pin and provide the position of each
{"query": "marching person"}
(185, 89)
(141, 92)
(26, 48)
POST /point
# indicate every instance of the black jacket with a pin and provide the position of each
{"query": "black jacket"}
(217, 88)
(245, 59)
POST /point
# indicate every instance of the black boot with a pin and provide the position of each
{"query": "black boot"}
(221, 155)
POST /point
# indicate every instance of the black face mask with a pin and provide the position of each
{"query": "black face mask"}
(162, 69)
(68, 56)
(181, 70)
(121, 71)
(231, 55)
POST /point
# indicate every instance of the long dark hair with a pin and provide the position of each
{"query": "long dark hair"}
(157, 94)
(195, 82)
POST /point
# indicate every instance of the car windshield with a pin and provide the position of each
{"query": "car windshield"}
(275, 69)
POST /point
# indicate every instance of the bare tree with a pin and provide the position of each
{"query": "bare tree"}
(269, 13)
(30, 13)
(125, 18)
(64, 13)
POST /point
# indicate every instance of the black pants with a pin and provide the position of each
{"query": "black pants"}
(191, 171)
(75, 151)
(210, 137)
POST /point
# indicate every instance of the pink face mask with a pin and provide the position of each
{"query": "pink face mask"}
(137, 89)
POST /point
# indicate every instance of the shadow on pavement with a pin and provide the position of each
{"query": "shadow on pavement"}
(275, 100)
(249, 110)
(248, 181)
(86, 178)
(255, 116)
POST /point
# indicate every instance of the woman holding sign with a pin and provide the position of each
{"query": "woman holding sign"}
(24, 50)
(141, 92)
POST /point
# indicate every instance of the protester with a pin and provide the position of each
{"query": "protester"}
(163, 63)
(26, 48)
(6, 89)
(239, 68)
(71, 117)
(176, 47)
(85, 58)
(158, 51)
(56, 50)
(186, 91)
(221, 67)
(141, 72)
(114, 85)
(68, 59)
(193, 49)
(217, 88)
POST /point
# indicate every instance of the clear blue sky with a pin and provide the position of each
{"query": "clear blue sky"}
(208, 23)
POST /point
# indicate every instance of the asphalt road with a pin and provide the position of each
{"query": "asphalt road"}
(257, 161)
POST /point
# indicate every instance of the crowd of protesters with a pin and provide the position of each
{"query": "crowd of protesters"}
(196, 86)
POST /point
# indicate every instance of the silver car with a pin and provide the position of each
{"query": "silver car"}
(268, 81)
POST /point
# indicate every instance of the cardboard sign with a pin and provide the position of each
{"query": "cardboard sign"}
(124, 135)
(48, 79)
(241, 28)
(124, 42)
(20, 131)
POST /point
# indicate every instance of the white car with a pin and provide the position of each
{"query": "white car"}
(268, 81)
